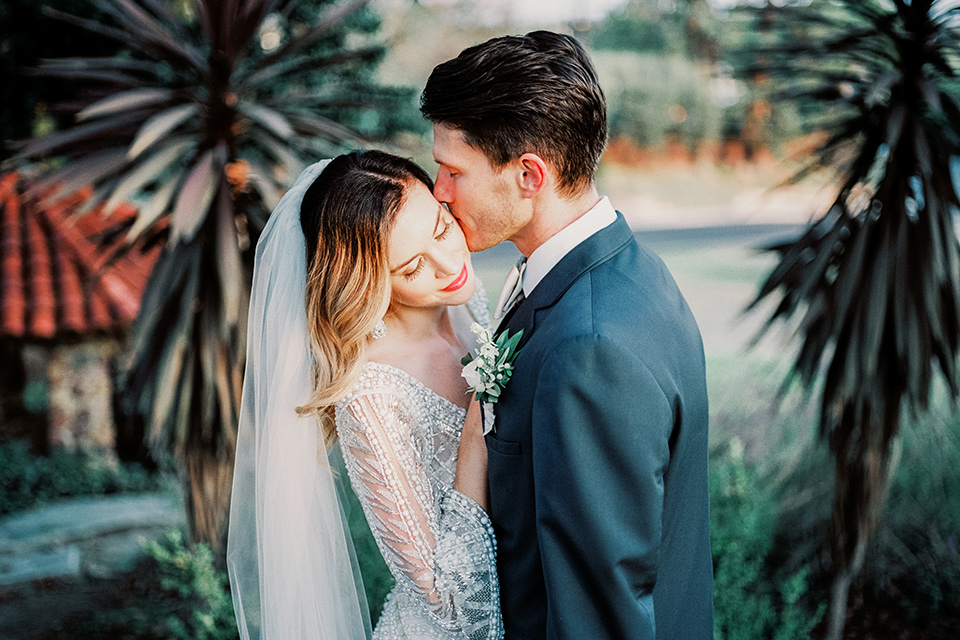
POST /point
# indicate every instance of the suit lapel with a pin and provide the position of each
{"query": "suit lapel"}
(596, 249)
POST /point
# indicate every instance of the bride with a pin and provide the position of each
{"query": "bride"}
(363, 294)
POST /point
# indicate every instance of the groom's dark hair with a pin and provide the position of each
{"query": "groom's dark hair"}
(512, 95)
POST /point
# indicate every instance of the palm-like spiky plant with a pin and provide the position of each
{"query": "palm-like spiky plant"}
(204, 123)
(875, 282)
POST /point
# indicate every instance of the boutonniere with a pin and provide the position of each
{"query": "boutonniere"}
(490, 369)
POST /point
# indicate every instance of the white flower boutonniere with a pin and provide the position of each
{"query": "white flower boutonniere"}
(490, 369)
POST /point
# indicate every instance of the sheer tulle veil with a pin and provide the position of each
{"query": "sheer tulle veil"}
(293, 572)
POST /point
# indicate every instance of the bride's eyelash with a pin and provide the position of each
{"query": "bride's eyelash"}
(413, 274)
(446, 230)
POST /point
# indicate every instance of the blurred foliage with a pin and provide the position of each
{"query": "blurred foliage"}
(28, 480)
(641, 26)
(751, 600)
(656, 90)
(655, 56)
(204, 608)
(910, 583)
(873, 286)
(31, 105)
(915, 560)
(177, 593)
(653, 98)
(205, 120)
(26, 37)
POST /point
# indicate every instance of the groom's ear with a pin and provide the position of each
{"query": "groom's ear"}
(532, 174)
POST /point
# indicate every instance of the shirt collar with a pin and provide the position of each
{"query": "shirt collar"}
(548, 254)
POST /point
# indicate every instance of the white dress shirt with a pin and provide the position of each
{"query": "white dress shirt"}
(547, 255)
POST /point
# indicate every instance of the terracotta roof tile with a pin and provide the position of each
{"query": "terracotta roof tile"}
(58, 273)
(11, 261)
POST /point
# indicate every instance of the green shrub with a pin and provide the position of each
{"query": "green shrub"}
(176, 593)
(28, 480)
(204, 609)
(748, 603)
(917, 549)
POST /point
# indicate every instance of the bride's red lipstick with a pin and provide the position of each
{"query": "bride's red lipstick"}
(459, 282)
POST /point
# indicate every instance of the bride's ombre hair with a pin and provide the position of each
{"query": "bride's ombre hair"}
(346, 216)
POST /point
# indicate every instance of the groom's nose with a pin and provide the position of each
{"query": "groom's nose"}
(443, 187)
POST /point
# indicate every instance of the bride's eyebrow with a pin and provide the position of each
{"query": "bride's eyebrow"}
(435, 227)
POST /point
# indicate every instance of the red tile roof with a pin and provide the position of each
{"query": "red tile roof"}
(57, 277)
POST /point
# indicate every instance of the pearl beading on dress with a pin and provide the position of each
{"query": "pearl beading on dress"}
(400, 441)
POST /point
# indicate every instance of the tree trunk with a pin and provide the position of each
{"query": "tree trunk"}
(861, 491)
(207, 498)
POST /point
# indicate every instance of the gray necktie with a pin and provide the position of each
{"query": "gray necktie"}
(512, 293)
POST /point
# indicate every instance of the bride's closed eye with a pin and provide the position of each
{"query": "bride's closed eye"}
(440, 237)
(445, 232)
(413, 274)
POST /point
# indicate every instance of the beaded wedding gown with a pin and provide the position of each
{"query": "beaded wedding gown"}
(399, 441)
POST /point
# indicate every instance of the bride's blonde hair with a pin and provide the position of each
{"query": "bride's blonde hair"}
(346, 216)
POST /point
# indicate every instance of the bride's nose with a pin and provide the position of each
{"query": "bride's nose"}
(448, 264)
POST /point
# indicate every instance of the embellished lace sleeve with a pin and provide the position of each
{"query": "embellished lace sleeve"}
(440, 548)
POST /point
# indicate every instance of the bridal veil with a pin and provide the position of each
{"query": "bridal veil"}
(293, 572)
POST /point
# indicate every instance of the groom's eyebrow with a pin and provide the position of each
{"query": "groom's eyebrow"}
(435, 227)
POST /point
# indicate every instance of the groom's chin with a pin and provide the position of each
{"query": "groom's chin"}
(477, 243)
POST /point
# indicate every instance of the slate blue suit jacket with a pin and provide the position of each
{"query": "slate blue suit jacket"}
(598, 464)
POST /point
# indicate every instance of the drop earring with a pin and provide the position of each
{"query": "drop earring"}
(379, 331)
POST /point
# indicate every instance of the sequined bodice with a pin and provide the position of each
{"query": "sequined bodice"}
(399, 441)
(436, 427)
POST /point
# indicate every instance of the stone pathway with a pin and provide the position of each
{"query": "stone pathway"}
(49, 554)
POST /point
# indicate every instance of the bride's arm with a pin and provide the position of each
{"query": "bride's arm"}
(471, 477)
(440, 548)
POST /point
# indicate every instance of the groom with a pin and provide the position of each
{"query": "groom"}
(598, 460)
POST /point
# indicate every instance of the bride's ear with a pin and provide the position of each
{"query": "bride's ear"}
(532, 174)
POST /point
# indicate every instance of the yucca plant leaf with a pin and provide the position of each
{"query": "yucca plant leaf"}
(77, 175)
(89, 73)
(280, 152)
(229, 261)
(324, 128)
(80, 133)
(307, 64)
(125, 101)
(269, 191)
(160, 125)
(55, 65)
(151, 34)
(272, 120)
(147, 171)
(194, 198)
(156, 207)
